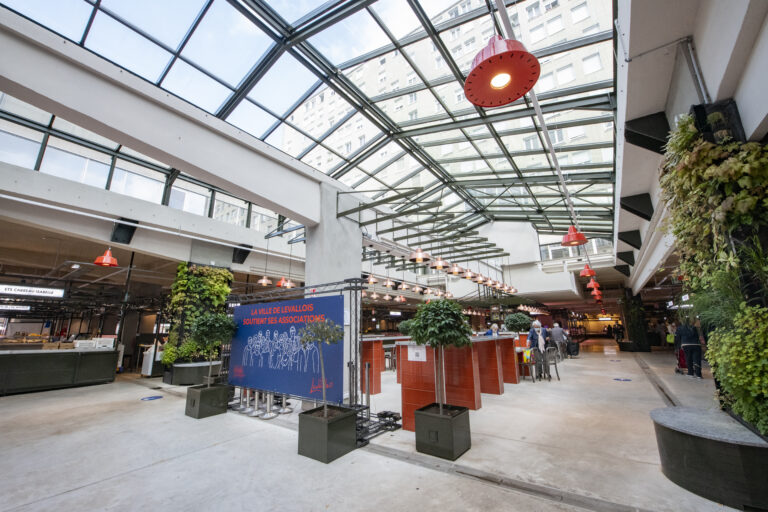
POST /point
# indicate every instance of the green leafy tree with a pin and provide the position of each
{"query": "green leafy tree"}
(210, 331)
(320, 333)
(439, 324)
(405, 327)
(518, 322)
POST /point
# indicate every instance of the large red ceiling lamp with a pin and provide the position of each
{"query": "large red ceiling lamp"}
(106, 259)
(418, 256)
(593, 284)
(573, 238)
(501, 73)
(596, 292)
(587, 271)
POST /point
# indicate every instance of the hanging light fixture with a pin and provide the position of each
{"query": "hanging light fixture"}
(106, 259)
(428, 291)
(387, 297)
(401, 298)
(389, 283)
(573, 238)
(501, 72)
(439, 264)
(265, 281)
(593, 284)
(479, 279)
(281, 283)
(587, 271)
(468, 274)
(512, 289)
(418, 256)
(417, 289)
(596, 292)
(374, 295)
(448, 295)
(403, 286)
(371, 279)
(488, 282)
(455, 269)
(439, 293)
(364, 294)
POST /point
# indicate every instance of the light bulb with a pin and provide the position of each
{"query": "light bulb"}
(501, 80)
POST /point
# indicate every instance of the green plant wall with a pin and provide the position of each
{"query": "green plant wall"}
(197, 290)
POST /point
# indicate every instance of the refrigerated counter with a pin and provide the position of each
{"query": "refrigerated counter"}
(39, 370)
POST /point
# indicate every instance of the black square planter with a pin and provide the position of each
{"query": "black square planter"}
(444, 435)
(203, 401)
(327, 439)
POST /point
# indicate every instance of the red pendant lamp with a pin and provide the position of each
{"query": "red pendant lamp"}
(573, 238)
(587, 271)
(106, 259)
(593, 284)
(501, 72)
(282, 282)
(596, 292)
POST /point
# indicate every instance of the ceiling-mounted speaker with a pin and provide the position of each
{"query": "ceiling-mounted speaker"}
(239, 255)
(122, 232)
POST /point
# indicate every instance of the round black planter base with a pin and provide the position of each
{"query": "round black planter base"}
(709, 453)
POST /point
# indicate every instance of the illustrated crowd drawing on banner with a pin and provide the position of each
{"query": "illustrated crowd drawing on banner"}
(281, 351)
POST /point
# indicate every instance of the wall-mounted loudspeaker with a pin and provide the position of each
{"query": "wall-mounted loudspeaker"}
(239, 255)
(123, 233)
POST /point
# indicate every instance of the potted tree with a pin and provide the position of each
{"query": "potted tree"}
(442, 430)
(329, 431)
(519, 323)
(405, 327)
(210, 331)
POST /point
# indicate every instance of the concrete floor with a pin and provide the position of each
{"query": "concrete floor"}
(584, 443)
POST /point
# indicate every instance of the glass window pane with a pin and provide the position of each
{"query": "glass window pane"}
(251, 118)
(167, 21)
(195, 87)
(413, 107)
(283, 85)
(383, 74)
(230, 210)
(426, 57)
(291, 10)
(344, 40)
(226, 43)
(321, 159)
(25, 110)
(319, 113)
(288, 140)
(77, 163)
(67, 17)
(139, 182)
(262, 219)
(82, 133)
(19, 145)
(352, 135)
(398, 17)
(126, 48)
(189, 197)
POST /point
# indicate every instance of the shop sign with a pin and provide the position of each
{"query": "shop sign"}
(30, 291)
(13, 307)
(268, 355)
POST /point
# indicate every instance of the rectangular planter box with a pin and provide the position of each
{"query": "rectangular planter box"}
(187, 374)
(327, 439)
(444, 435)
(203, 401)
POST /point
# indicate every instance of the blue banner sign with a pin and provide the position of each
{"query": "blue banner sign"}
(267, 353)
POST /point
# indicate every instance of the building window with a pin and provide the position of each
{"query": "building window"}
(576, 132)
(460, 96)
(411, 78)
(592, 63)
(607, 154)
(555, 25)
(551, 4)
(465, 6)
(412, 98)
(361, 140)
(579, 12)
(382, 61)
(556, 136)
(413, 115)
(469, 43)
(565, 75)
(456, 50)
(453, 12)
(438, 61)
(455, 33)
(533, 10)
(538, 33)
(581, 157)
(531, 143)
(546, 83)
(347, 147)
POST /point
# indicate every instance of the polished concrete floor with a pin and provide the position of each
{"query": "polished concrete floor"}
(583, 443)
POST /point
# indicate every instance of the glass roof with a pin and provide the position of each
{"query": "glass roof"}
(371, 93)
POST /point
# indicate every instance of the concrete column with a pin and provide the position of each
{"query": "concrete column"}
(334, 253)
